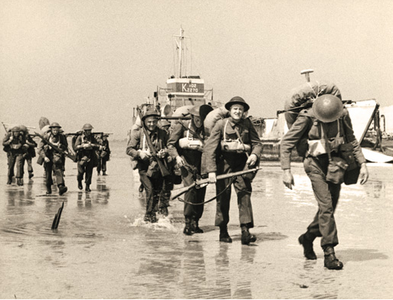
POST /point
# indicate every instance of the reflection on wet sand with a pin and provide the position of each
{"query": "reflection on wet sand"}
(103, 249)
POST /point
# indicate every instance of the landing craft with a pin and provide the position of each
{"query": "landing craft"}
(182, 90)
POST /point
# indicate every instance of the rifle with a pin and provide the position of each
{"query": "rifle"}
(203, 182)
(163, 169)
(5, 128)
(57, 149)
(297, 109)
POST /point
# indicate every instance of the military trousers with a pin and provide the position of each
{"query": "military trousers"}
(327, 195)
(87, 170)
(193, 195)
(15, 160)
(153, 188)
(57, 170)
(233, 162)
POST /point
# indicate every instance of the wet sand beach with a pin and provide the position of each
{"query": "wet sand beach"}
(103, 249)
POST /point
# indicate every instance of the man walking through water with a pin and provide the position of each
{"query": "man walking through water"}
(86, 146)
(323, 129)
(149, 171)
(53, 160)
(185, 145)
(233, 145)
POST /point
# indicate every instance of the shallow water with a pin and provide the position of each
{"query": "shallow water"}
(103, 249)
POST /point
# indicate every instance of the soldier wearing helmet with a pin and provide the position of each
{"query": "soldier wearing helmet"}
(233, 145)
(149, 172)
(15, 145)
(54, 162)
(103, 155)
(185, 145)
(30, 153)
(86, 146)
(321, 131)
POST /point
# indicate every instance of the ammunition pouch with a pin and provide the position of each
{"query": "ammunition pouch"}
(84, 160)
(57, 159)
(234, 146)
(103, 154)
(336, 170)
(153, 171)
(352, 173)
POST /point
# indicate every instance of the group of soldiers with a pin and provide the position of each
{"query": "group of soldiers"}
(234, 145)
(185, 151)
(52, 150)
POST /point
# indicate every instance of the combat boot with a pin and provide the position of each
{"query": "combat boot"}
(103, 173)
(153, 218)
(188, 230)
(224, 235)
(80, 186)
(9, 181)
(164, 211)
(247, 237)
(48, 189)
(19, 181)
(331, 262)
(147, 218)
(195, 226)
(87, 188)
(62, 189)
(307, 244)
(31, 175)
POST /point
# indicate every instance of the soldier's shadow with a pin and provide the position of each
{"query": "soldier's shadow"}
(360, 254)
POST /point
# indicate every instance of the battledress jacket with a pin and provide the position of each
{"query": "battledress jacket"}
(247, 132)
(158, 137)
(307, 127)
(63, 145)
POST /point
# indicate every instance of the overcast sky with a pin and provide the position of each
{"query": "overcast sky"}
(79, 61)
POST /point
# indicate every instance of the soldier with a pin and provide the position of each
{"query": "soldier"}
(86, 146)
(147, 165)
(103, 155)
(233, 145)
(321, 132)
(28, 156)
(168, 184)
(53, 160)
(186, 148)
(15, 145)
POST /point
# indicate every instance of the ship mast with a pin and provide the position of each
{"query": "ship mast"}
(179, 48)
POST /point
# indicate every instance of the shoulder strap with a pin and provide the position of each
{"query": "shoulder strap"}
(225, 129)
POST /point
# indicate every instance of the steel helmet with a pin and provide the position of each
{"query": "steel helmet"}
(15, 129)
(328, 108)
(87, 126)
(237, 100)
(23, 128)
(151, 113)
(54, 125)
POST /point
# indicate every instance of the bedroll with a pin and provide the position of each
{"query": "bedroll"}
(304, 95)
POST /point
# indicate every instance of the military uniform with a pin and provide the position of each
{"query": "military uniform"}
(15, 146)
(307, 134)
(104, 155)
(86, 146)
(191, 153)
(30, 153)
(149, 171)
(220, 159)
(53, 160)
